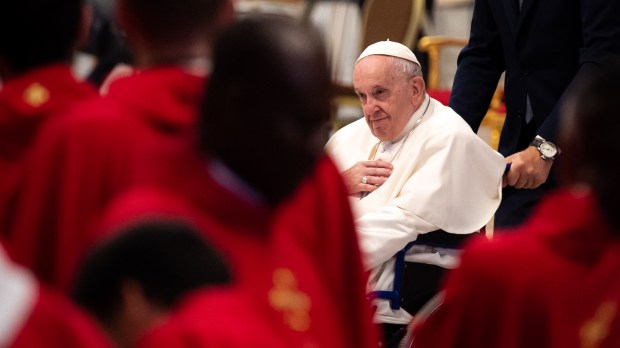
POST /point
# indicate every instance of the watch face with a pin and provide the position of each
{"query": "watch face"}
(548, 150)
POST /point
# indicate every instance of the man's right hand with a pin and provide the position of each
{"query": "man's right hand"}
(527, 170)
(375, 174)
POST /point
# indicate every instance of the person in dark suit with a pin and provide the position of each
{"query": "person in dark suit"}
(542, 45)
(554, 283)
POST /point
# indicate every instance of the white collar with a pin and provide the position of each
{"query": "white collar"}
(414, 120)
(233, 183)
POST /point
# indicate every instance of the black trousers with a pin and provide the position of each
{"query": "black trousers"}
(392, 335)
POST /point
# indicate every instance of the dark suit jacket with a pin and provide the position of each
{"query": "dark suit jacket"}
(542, 48)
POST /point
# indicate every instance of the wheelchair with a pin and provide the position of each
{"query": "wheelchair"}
(416, 286)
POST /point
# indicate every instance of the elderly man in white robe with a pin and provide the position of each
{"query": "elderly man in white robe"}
(413, 168)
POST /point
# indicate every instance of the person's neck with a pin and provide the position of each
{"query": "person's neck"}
(228, 179)
(415, 119)
(192, 58)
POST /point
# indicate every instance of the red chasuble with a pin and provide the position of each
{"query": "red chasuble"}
(86, 158)
(26, 103)
(56, 323)
(552, 283)
(214, 318)
(299, 262)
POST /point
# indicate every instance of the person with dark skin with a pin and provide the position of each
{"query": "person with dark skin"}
(260, 187)
(555, 282)
(299, 140)
(134, 278)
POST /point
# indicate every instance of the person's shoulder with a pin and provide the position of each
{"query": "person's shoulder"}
(505, 256)
(93, 123)
(508, 240)
(446, 121)
(215, 317)
(94, 112)
(142, 203)
(447, 130)
(56, 322)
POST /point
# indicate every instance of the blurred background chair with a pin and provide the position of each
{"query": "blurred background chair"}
(432, 46)
(492, 124)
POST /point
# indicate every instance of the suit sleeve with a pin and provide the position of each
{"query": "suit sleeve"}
(601, 41)
(480, 65)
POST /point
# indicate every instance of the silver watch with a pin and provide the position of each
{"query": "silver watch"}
(547, 149)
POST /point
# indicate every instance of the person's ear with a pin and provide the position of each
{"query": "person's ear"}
(418, 90)
(136, 315)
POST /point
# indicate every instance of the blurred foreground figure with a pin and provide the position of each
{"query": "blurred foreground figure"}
(37, 42)
(262, 190)
(131, 281)
(556, 283)
(33, 316)
(85, 159)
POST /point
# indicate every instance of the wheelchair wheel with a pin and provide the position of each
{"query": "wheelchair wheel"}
(425, 312)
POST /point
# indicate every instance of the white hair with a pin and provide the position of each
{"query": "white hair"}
(406, 68)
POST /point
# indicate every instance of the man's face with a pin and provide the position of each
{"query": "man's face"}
(388, 98)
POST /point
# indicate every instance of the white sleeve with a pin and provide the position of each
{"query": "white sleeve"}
(385, 231)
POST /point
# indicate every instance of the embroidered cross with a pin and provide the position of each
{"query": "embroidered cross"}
(595, 330)
(36, 95)
(288, 299)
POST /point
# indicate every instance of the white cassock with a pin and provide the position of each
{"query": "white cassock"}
(444, 177)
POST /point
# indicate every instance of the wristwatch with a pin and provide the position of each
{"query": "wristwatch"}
(547, 149)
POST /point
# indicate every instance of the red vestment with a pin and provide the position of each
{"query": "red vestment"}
(56, 323)
(214, 318)
(83, 160)
(26, 103)
(299, 262)
(552, 283)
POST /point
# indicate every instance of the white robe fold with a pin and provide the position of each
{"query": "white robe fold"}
(445, 177)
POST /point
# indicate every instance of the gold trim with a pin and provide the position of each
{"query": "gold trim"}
(36, 95)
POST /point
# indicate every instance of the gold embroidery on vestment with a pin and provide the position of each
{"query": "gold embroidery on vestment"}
(36, 95)
(595, 330)
(285, 297)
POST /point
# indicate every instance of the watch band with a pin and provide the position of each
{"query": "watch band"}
(538, 140)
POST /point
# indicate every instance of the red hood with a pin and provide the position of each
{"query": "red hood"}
(155, 91)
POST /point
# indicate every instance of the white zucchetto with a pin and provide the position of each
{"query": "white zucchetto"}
(389, 48)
